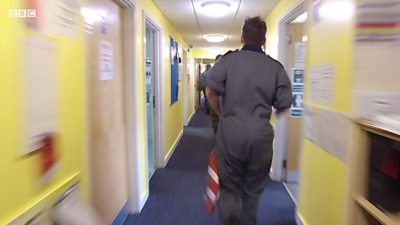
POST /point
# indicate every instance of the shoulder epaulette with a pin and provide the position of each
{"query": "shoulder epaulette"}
(230, 51)
(275, 60)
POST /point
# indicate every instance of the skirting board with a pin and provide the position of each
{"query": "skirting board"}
(136, 209)
(290, 193)
(299, 219)
(143, 200)
(292, 176)
(190, 118)
(172, 150)
(122, 215)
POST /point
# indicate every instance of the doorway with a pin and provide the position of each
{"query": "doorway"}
(186, 87)
(197, 69)
(292, 54)
(150, 97)
(154, 95)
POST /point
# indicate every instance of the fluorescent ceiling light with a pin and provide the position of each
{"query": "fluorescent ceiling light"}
(300, 19)
(215, 38)
(215, 8)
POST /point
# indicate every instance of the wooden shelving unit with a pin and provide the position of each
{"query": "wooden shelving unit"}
(378, 129)
(388, 219)
(363, 212)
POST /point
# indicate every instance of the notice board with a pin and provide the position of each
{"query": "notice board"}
(173, 48)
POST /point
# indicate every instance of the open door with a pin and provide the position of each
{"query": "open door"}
(150, 97)
(295, 68)
(107, 159)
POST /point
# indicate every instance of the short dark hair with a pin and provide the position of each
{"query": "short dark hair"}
(254, 30)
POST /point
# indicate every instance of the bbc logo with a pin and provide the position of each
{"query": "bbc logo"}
(22, 13)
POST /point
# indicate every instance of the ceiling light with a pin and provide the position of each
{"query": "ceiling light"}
(300, 19)
(336, 10)
(215, 38)
(215, 8)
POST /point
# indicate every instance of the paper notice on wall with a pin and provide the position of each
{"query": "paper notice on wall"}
(327, 77)
(322, 84)
(106, 60)
(334, 132)
(310, 118)
(40, 90)
(58, 18)
(328, 129)
(313, 83)
(299, 54)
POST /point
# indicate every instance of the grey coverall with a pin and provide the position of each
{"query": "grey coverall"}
(250, 83)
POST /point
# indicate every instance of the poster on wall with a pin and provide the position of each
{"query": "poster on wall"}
(174, 61)
(40, 91)
(297, 76)
(378, 21)
(40, 103)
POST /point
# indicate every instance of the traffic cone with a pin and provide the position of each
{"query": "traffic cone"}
(211, 195)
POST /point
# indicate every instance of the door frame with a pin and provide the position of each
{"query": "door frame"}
(186, 87)
(159, 152)
(278, 171)
(137, 190)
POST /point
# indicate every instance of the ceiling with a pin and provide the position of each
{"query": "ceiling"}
(188, 18)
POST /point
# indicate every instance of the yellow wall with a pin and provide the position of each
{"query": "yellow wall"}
(322, 187)
(272, 21)
(19, 190)
(322, 191)
(209, 53)
(19, 187)
(322, 198)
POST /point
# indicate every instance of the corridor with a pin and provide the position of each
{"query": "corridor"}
(102, 119)
(176, 191)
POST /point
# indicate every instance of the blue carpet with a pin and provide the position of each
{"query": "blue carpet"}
(176, 192)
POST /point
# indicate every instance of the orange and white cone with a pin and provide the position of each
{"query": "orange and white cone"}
(211, 195)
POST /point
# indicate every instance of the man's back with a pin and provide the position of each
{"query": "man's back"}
(252, 84)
